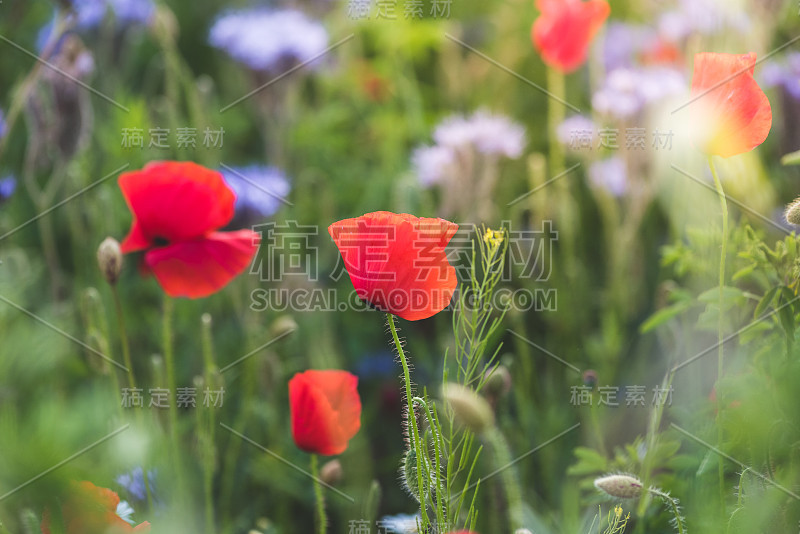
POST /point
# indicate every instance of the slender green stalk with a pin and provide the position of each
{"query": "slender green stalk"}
(720, 319)
(503, 458)
(208, 431)
(126, 356)
(555, 116)
(673, 504)
(322, 518)
(169, 362)
(412, 421)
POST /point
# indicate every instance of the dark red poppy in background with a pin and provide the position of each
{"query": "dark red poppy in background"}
(397, 263)
(734, 113)
(564, 30)
(177, 208)
(326, 410)
(92, 510)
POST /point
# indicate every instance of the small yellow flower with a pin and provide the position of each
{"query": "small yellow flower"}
(618, 511)
(494, 238)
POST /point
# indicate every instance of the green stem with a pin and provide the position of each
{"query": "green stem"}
(322, 518)
(555, 116)
(208, 452)
(126, 356)
(720, 323)
(503, 458)
(169, 362)
(412, 422)
(673, 504)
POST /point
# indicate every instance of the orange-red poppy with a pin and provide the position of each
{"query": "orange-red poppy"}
(734, 115)
(398, 263)
(326, 410)
(177, 209)
(92, 510)
(564, 30)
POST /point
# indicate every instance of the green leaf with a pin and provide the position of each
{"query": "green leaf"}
(664, 315)
(589, 462)
(793, 158)
(766, 301)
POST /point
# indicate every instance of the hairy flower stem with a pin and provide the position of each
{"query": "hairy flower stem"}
(720, 322)
(208, 431)
(126, 357)
(412, 421)
(322, 518)
(673, 504)
(502, 457)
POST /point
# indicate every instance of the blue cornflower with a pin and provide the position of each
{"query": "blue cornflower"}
(7, 187)
(133, 483)
(259, 189)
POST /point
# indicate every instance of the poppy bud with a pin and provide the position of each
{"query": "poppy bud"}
(620, 486)
(469, 408)
(282, 326)
(331, 473)
(109, 258)
(498, 382)
(793, 212)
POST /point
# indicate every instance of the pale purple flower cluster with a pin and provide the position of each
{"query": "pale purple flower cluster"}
(483, 132)
(610, 174)
(783, 73)
(626, 91)
(259, 189)
(706, 17)
(567, 131)
(269, 40)
(489, 134)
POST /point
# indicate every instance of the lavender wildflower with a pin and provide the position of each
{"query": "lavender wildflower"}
(610, 174)
(626, 92)
(266, 40)
(487, 133)
(7, 187)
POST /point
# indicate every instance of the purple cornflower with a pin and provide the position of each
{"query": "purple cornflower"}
(267, 40)
(623, 42)
(7, 187)
(132, 11)
(133, 483)
(610, 174)
(259, 189)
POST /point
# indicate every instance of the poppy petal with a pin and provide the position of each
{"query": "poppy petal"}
(398, 262)
(198, 268)
(734, 108)
(174, 201)
(325, 409)
(564, 30)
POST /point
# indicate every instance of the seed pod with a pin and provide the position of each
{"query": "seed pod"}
(469, 408)
(793, 212)
(620, 486)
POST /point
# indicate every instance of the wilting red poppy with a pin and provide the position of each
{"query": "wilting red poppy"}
(565, 28)
(326, 410)
(177, 208)
(397, 263)
(92, 510)
(734, 113)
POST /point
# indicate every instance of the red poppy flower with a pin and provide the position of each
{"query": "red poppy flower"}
(92, 510)
(734, 113)
(565, 28)
(177, 208)
(326, 410)
(397, 263)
